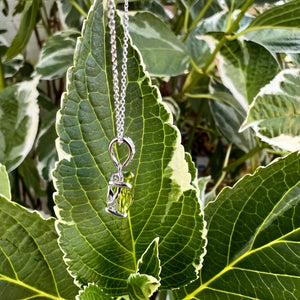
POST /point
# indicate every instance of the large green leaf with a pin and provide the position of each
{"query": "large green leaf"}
(253, 247)
(245, 67)
(99, 247)
(4, 183)
(19, 117)
(31, 264)
(275, 112)
(277, 28)
(28, 21)
(163, 53)
(57, 55)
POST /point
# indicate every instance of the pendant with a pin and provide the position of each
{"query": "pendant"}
(120, 191)
(119, 194)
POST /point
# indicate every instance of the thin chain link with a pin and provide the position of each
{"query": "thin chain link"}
(119, 92)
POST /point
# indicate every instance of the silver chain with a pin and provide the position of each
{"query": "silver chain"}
(119, 92)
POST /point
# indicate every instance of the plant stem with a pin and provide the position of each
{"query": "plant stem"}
(190, 82)
(195, 67)
(236, 22)
(224, 167)
(191, 78)
(199, 17)
(2, 79)
(243, 158)
(186, 20)
(215, 52)
(81, 11)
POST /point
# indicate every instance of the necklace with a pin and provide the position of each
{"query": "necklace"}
(119, 194)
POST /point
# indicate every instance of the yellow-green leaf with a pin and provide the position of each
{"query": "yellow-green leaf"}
(253, 249)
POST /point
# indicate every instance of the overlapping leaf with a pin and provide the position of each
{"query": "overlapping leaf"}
(31, 264)
(245, 67)
(275, 112)
(98, 247)
(18, 130)
(163, 53)
(253, 247)
(57, 55)
(277, 28)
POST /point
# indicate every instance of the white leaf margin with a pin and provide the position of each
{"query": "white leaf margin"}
(282, 141)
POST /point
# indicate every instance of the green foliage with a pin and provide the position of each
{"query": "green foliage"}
(253, 246)
(228, 73)
(31, 262)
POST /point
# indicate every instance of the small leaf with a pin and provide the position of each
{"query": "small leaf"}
(57, 55)
(31, 264)
(92, 292)
(163, 53)
(253, 238)
(149, 263)
(275, 112)
(26, 27)
(19, 117)
(278, 28)
(4, 183)
(141, 286)
(202, 183)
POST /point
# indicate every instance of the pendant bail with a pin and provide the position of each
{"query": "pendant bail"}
(131, 148)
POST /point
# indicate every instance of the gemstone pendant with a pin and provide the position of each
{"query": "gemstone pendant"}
(119, 194)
